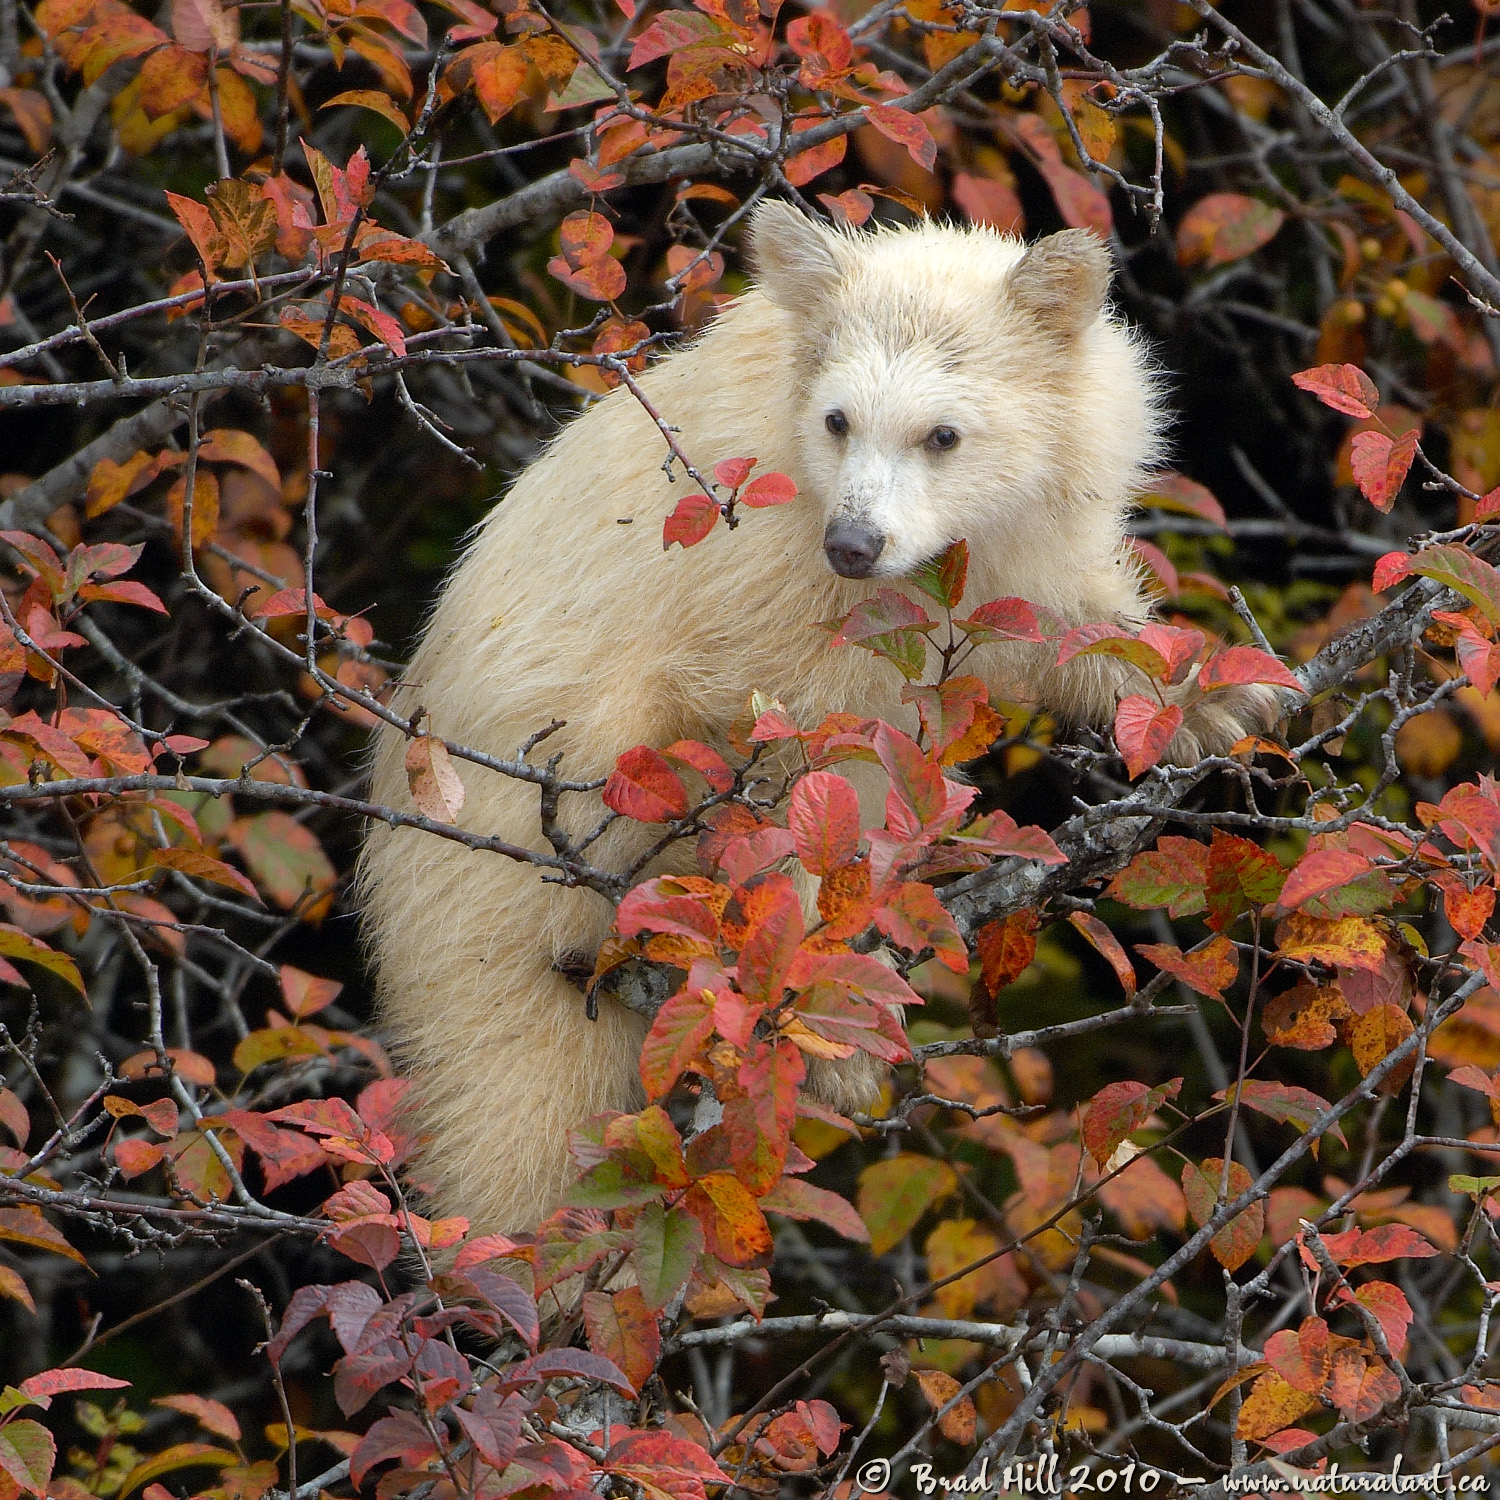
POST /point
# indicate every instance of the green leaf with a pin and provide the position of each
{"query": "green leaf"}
(896, 1192)
(1173, 876)
(668, 1243)
(1241, 876)
(1461, 1182)
(943, 577)
(285, 858)
(1464, 573)
(27, 1454)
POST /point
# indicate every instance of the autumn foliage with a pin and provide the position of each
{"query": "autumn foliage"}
(1188, 1152)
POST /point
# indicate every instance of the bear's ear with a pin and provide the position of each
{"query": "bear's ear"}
(1061, 281)
(798, 262)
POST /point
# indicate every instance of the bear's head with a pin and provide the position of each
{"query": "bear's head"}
(952, 383)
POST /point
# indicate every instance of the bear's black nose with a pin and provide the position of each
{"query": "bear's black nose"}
(852, 549)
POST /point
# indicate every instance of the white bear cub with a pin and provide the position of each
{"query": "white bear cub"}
(918, 385)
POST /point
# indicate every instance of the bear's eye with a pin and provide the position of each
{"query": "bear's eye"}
(940, 439)
(837, 423)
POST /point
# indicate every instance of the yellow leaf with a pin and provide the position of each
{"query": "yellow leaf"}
(178, 1456)
(1271, 1405)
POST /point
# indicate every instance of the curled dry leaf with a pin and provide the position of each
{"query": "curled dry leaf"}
(435, 784)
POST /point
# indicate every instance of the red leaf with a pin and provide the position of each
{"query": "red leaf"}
(400, 1435)
(888, 611)
(554, 1363)
(1318, 873)
(986, 201)
(1117, 1110)
(794, 1198)
(824, 819)
(293, 602)
(1367, 1247)
(1241, 875)
(644, 787)
(660, 1462)
(624, 1330)
(681, 1027)
(917, 790)
(1177, 492)
(212, 1415)
(906, 129)
(1143, 730)
(692, 520)
(1006, 949)
(1380, 465)
(915, 919)
(493, 1426)
(1236, 665)
(821, 40)
(1390, 570)
(1345, 388)
(1391, 1309)
(1225, 227)
(705, 760)
(585, 238)
(1301, 1356)
(773, 934)
(42, 1388)
(305, 994)
(1004, 620)
(771, 1079)
(667, 33)
(768, 489)
(599, 280)
(733, 472)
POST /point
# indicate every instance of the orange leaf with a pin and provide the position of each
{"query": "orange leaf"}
(171, 77)
(1271, 1405)
(1224, 227)
(374, 99)
(1108, 946)
(211, 1415)
(1006, 949)
(203, 867)
(34, 115)
(1209, 970)
(205, 506)
(958, 1426)
(1375, 1034)
(228, 445)
(1235, 1243)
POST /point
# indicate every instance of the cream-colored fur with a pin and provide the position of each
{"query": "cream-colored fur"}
(560, 611)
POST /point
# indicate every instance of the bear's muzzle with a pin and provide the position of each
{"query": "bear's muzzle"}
(852, 549)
